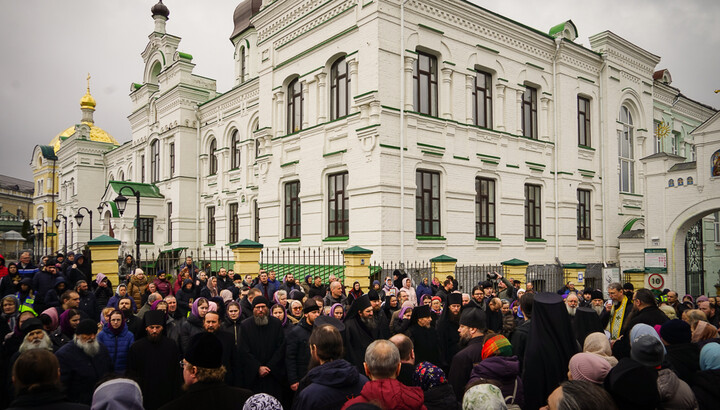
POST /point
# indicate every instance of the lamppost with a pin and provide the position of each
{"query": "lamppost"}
(121, 202)
(39, 225)
(57, 226)
(79, 218)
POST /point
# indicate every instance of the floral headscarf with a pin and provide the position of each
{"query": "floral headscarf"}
(427, 376)
(262, 401)
(483, 396)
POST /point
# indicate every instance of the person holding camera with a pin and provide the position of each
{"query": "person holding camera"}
(505, 288)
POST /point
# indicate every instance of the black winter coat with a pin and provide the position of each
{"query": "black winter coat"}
(297, 352)
(155, 368)
(651, 315)
(189, 328)
(79, 372)
(706, 389)
(462, 365)
(441, 397)
(684, 360)
(215, 395)
(45, 398)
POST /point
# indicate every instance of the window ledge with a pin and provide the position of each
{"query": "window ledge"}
(336, 239)
(290, 240)
(429, 238)
(586, 147)
(143, 243)
(487, 239)
(209, 244)
(535, 240)
(586, 244)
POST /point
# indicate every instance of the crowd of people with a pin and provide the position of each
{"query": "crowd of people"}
(223, 340)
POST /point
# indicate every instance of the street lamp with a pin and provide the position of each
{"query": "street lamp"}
(79, 218)
(57, 226)
(39, 225)
(121, 202)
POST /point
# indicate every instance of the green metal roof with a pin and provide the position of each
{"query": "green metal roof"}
(574, 266)
(560, 27)
(246, 243)
(48, 152)
(146, 190)
(173, 250)
(355, 250)
(443, 258)
(634, 271)
(104, 240)
(628, 226)
(514, 262)
(300, 271)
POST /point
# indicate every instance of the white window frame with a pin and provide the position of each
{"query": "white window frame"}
(626, 151)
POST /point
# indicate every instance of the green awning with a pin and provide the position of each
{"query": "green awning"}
(173, 250)
(146, 190)
(300, 271)
(48, 152)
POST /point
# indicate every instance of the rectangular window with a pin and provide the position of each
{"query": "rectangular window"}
(338, 210)
(425, 84)
(693, 153)
(155, 161)
(211, 225)
(484, 207)
(172, 159)
(584, 121)
(142, 168)
(482, 100)
(533, 215)
(674, 142)
(529, 112)
(427, 203)
(583, 214)
(234, 222)
(716, 227)
(339, 87)
(169, 222)
(146, 230)
(256, 221)
(292, 210)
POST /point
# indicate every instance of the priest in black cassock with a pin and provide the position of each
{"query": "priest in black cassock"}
(424, 336)
(447, 328)
(264, 343)
(153, 362)
(360, 330)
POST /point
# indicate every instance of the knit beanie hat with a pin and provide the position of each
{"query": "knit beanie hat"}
(473, 318)
(589, 367)
(257, 300)
(497, 346)
(675, 332)
(427, 376)
(309, 306)
(86, 327)
(205, 350)
(647, 350)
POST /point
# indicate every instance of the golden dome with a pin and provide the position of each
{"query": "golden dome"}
(96, 134)
(87, 101)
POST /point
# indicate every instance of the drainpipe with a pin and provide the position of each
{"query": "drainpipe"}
(601, 145)
(558, 43)
(402, 132)
(197, 180)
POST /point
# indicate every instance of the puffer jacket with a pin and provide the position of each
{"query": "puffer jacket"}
(136, 288)
(674, 393)
(163, 286)
(118, 346)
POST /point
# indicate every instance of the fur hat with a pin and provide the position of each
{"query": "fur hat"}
(205, 350)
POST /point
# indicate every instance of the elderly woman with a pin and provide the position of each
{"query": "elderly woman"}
(281, 298)
(407, 287)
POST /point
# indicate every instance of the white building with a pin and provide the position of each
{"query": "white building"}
(515, 143)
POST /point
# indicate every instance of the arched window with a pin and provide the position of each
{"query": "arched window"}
(121, 176)
(243, 65)
(295, 106)
(213, 168)
(689, 180)
(671, 182)
(155, 161)
(625, 151)
(234, 150)
(154, 71)
(339, 86)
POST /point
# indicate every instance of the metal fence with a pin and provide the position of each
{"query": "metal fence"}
(417, 271)
(209, 260)
(470, 275)
(302, 262)
(545, 278)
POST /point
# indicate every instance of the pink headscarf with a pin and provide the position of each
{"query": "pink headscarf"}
(52, 314)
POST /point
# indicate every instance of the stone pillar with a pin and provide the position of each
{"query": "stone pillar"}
(280, 110)
(357, 266)
(518, 111)
(446, 93)
(499, 123)
(305, 104)
(442, 266)
(354, 83)
(247, 257)
(545, 123)
(104, 252)
(516, 269)
(469, 100)
(575, 272)
(322, 97)
(409, 67)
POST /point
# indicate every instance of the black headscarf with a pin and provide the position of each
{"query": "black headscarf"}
(586, 322)
(551, 344)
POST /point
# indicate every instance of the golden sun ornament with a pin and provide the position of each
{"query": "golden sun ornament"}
(662, 130)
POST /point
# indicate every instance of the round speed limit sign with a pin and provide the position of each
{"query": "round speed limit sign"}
(656, 281)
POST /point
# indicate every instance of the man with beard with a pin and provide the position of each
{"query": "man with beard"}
(297, 351)
(152, 362)
(617, 313)
(597, 303)
(586, 300)
(266, 288)
(43, 282)
(203, 374)
(360, 330)
(447, 328)
(133, 322)
(289, 285)
(477, 298)
(87, 300)
(446, 289)
(83, 363)
(223, 280)
(424, 335)
(263, 343)
(381, 321)
(472, 331)
(572, 302)
(331, 380)
(645, 311)
(230, 357)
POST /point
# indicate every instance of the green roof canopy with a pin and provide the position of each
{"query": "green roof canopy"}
(246, 243)
(574, 266)
(355, 250)
(48, 152)
(146, 190)
(104, 240)
(443, 258)
(514, 262)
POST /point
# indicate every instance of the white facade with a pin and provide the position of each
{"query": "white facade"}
(302, 40)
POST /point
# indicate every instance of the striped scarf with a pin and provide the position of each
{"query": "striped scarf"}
(617, 314)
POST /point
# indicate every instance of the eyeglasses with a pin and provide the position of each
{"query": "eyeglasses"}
(297, 307)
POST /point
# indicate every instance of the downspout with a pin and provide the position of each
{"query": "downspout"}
(601, 145)
(52, 248)
(197, 179)
(402, 131)
(558, 43)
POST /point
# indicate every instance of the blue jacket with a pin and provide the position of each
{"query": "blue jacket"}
(43, 281)
(422, 290)
(329, 386)
(117, 346)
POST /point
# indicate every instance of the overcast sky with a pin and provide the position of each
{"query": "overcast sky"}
(49, 46)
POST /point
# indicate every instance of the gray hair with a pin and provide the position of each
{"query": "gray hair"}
(615, 286)
(382, 358)
(282, 292)
(579, 394)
